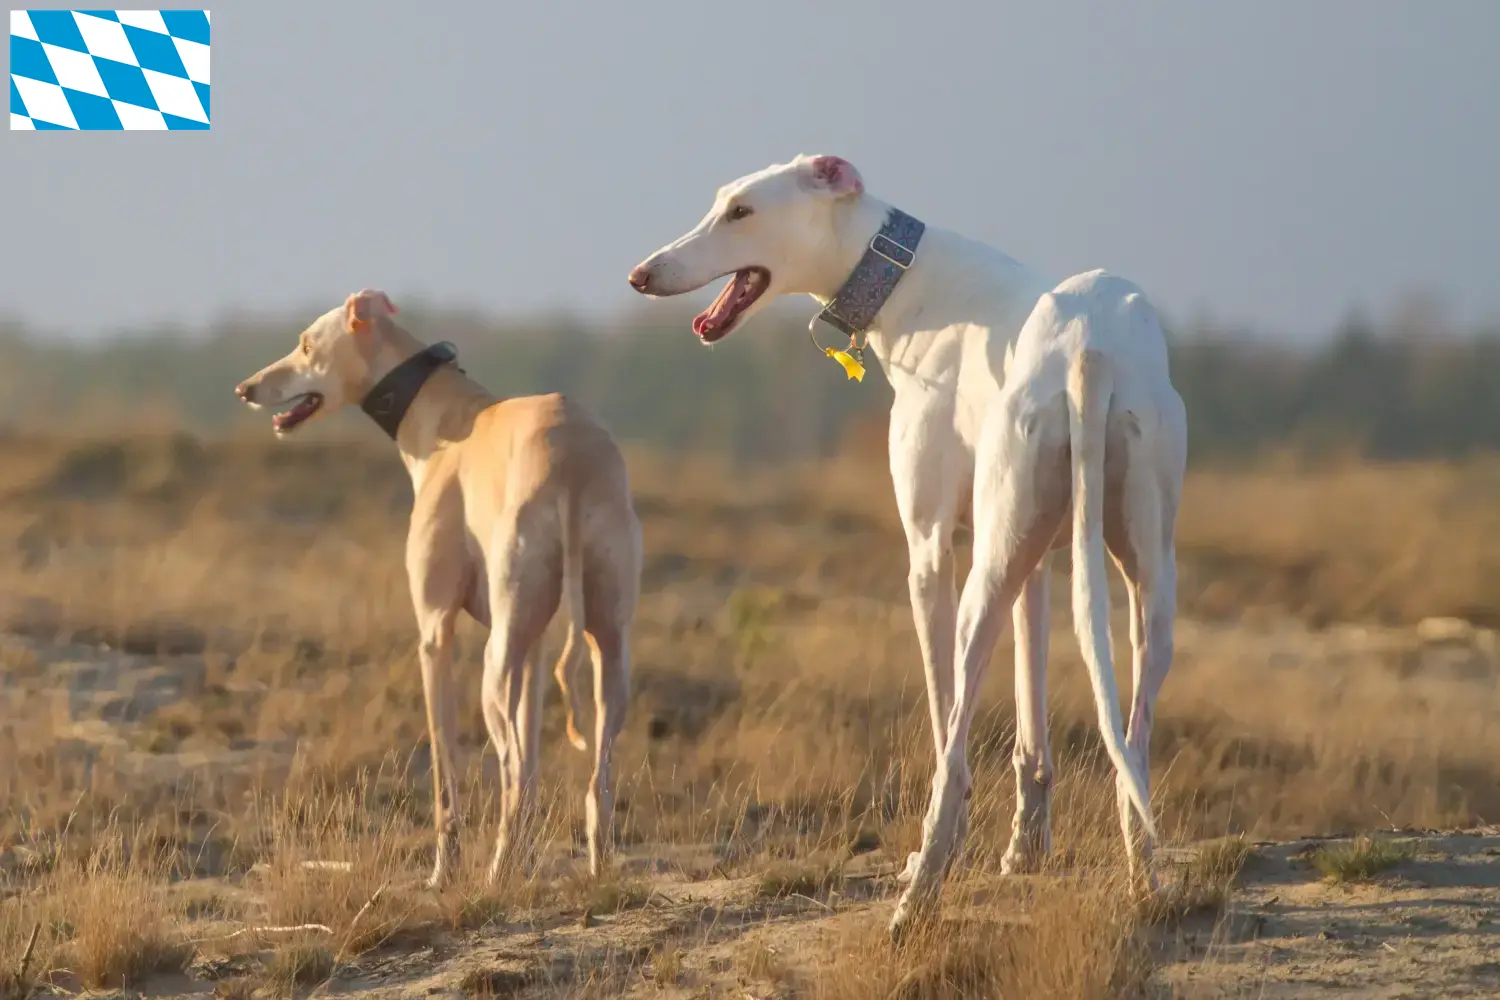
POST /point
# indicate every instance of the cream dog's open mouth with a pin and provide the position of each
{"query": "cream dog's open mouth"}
(296, 410)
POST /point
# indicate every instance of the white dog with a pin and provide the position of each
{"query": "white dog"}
(1024, 396)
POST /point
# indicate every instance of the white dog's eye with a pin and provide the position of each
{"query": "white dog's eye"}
(307, 348)
(738, 212)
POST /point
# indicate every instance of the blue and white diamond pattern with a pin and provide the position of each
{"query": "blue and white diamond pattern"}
(93, 70)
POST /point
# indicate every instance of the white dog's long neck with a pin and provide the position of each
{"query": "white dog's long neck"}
(890, 338)
(854, 227)
(947, 271)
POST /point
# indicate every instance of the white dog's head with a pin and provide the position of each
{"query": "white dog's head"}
(330, 367)
(773, 230)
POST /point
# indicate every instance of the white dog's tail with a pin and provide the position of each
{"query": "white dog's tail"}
(572, 596)
(1090, 386)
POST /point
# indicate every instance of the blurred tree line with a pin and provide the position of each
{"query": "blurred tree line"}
(1406, 388)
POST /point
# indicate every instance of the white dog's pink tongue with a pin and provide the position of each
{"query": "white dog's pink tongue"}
(714, 316)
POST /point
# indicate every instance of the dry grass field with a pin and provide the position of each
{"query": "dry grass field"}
(213, 761)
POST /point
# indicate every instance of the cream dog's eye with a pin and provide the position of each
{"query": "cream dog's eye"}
(307, 347)
(738, 212)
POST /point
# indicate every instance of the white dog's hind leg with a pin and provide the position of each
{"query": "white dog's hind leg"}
(1146, 556)
(1151, 626)
(1140, 530)
(1031, 829)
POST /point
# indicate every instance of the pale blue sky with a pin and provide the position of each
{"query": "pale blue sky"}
(1271, 163)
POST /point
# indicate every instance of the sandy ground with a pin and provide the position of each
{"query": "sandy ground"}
(1427, 928)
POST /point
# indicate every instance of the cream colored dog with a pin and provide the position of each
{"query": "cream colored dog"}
(519, 504)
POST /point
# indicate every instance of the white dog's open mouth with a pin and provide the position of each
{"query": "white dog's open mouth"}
(743, 289)
(296, 411)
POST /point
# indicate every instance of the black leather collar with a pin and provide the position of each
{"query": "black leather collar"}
(392, 396)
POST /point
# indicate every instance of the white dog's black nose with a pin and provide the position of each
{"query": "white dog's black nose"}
(245, 391)
(640, 278)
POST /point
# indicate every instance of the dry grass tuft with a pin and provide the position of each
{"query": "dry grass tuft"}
(493, 984)
(611, 895)
(1078, 935)
(1072, 943)
(16, 978)
(759, 962)
(811, 879)
(665, 966)
(238, 988)
(120, 923)
(1218, 862)
(476, 908)
(1362, 858)
(300, 963)
(1205, 885)
(334, 859)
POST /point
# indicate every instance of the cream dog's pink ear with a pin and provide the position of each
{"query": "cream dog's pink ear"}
(359, 308)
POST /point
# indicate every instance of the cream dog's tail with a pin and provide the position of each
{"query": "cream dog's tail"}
(572, 596)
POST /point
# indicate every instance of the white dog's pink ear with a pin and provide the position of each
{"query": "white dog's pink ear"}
(833, 175)
(359, 308)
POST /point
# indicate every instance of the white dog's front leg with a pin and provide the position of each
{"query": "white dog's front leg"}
(991, 588)
(929, 466)
(927, 469)
(934, 610)
(1015, 521)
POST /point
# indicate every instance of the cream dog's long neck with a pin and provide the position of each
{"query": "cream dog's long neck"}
(443, 410)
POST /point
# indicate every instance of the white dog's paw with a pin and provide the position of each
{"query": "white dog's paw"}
(911, 867)
(912, 914)
(1020, 860)
(1144, 881)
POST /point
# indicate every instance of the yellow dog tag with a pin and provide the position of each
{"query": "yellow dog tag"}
(852, 367)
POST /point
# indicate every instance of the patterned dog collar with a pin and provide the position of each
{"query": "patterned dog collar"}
(865, 291)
